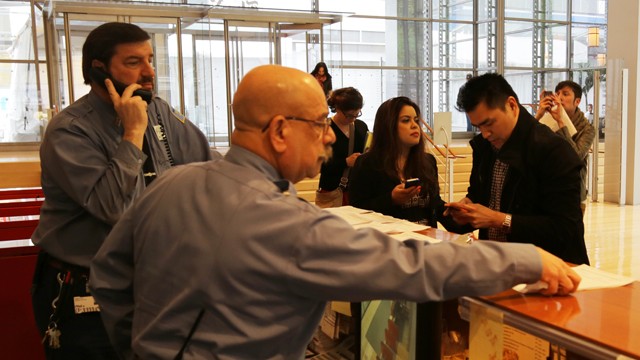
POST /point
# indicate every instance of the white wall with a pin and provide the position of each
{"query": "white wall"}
(622, 45)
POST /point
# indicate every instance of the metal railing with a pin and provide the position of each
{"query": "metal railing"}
(447, 156)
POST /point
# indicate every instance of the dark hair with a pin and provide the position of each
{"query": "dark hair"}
(317, 68)
(345, 99)
(490, 88)
(577, 90)
(102, 41)
(386, 145)
(327, 85)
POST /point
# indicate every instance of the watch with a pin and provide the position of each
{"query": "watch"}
(506, 223)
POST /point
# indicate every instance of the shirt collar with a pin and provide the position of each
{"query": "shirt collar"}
(103, 107)
(243, 157)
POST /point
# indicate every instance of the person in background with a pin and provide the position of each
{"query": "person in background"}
(346, 104)
(321, 73)
(398, 153)
(525, 180)
(590, 113)
(97, 157)
(252, 265)
(568, 94)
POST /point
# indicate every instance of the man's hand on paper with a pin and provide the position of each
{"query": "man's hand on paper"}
(559, 277)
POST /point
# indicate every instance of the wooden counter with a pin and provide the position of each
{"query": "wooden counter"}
(19, 169)
(596, 324)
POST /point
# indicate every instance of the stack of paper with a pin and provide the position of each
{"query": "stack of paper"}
(396, 228)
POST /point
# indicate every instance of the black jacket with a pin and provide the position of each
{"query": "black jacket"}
(541, 189)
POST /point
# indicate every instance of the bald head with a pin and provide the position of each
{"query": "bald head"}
(270, 90)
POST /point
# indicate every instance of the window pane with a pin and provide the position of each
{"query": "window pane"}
(549, 39)
(446, 85)
(591, 11)
(378, 85)
(16, 39)
(462, 10)
(522, 82)
(369, 7)
(487, 51)
(487, 11)
(547, 9)
(585, 54)
(364, 42)
(452, 45)
(267, 4)
(207, 105)
(20, 119)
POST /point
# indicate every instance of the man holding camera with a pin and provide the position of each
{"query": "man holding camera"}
(569, 116)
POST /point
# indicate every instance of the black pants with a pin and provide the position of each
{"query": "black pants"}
(82, 335)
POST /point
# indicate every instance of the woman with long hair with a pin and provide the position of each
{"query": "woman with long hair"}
(321, 73)
(397, 154)
(346, 104)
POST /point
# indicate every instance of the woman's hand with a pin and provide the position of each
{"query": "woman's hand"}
(400, 195)
(351, 160)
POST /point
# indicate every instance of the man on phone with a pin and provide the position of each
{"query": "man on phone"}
(525, 181)
(569, 116)
(97, 157)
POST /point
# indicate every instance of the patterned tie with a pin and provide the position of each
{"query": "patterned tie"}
(497, 183)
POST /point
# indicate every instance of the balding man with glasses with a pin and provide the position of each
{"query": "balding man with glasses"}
(221, 259)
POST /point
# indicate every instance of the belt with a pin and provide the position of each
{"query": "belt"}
(65, 266)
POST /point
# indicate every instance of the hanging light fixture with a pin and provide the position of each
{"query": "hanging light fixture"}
(593, 37)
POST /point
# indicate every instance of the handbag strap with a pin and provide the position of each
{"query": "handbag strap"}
(352, 139)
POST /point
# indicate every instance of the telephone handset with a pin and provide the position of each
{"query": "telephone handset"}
(99, 76)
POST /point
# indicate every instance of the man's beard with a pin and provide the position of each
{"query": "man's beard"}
(328, 154)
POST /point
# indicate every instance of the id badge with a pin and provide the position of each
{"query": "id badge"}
(85, 304)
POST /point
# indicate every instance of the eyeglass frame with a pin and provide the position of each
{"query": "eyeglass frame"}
(348, 117)
(325, 124)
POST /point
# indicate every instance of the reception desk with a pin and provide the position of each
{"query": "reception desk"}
(593, 324)
(404, 329)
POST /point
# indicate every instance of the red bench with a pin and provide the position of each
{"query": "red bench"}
(24, 193)
(19, 337)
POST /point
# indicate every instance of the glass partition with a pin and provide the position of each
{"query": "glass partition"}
(385, 48)
(23, 91)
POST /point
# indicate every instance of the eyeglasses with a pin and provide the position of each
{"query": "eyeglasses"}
(350, 116)
(319, 123)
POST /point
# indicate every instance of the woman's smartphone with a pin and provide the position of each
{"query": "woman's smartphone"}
(411, 183)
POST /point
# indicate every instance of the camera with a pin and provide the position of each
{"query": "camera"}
(548, 93)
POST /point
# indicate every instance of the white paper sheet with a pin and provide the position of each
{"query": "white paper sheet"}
(592, 278)
(412, 235)
(548, 120)
(359, 218)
